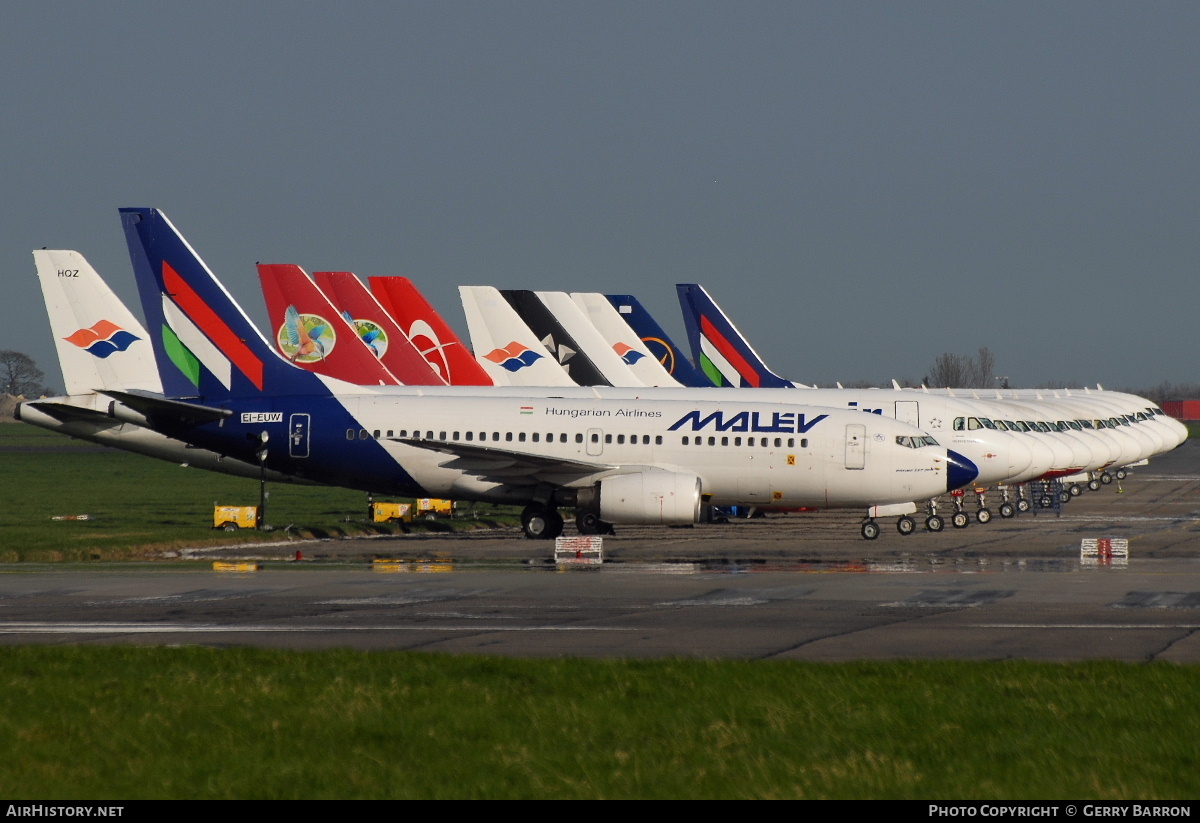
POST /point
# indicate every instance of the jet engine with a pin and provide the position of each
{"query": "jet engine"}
(653, 497)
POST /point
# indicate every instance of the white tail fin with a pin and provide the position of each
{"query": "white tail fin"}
(622, 339)
(101, 345)
(509, 352)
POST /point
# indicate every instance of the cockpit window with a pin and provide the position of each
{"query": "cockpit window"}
(1087, 424)
(987, 424)
(1074, 424)
(959, 423)
(973, 423)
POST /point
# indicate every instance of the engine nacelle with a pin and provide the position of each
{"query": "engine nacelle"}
(656, 497)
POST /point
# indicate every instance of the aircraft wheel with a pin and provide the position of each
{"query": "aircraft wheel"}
(1075, 490)
(588, 522)
(1007, 510)
(556, 524)
(1122, 474)
(984, 516)
(1094, 485)
(960, 520)
(1064, 496)
(540, 522)
(870, 530)
(906, 525)
(1106, 478)
(934, 523)
(1022, 505)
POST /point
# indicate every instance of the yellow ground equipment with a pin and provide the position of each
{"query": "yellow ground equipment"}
(431, 508)
(391, 512)
(232, 518)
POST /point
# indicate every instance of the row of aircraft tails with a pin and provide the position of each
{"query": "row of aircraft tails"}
(563, 401)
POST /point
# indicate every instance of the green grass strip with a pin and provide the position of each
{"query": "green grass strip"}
(129, 722)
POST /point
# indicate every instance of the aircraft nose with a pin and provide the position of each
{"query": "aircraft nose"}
(959, 470)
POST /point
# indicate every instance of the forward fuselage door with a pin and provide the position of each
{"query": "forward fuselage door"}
(908, 412)
(856, 446)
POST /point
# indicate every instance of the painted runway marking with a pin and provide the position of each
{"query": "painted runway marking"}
(210, 628)
(1104, 626)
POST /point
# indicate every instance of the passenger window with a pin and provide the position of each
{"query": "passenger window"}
(535, 437)
(620, 438)
(712, 441)
(737, 441)
(608, 438)
(362, 434)
(521, 437)
(470, 436)
(658, 440)
(804, 442)
(791, 442)
(724, 441)
(778, 442)
(685, 440)
(579, 438)
(375, 434)
(349, 434)
(508, 437)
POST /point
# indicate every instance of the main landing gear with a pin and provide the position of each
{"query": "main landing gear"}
(588, 522)
(541, 522)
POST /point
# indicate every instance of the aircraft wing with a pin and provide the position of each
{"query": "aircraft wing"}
(491, 461)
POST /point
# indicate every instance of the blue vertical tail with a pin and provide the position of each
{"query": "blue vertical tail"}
(205, 345)
(719, 348)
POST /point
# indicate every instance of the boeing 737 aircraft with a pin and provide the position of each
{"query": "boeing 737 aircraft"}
(616, 458)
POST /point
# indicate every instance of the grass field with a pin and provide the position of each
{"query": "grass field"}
(129, 723)
(141, 507)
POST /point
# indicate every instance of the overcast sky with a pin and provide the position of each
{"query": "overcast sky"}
(861, 185)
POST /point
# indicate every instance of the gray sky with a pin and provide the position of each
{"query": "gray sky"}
(861, 185)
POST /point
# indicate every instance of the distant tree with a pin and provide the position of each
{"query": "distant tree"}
(19, 375)
(956, 372)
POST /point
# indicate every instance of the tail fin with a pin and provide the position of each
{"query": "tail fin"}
(205, 345)
(429, 335)
(377, 328)
(312, 334)
(717, 346)
(660, 346)
(622, 340)
(100, 344)
(566, 334)
(504, 345)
